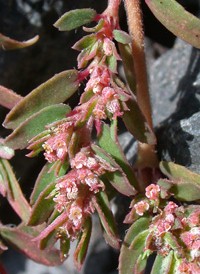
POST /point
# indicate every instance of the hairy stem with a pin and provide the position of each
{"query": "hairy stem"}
(135, 24)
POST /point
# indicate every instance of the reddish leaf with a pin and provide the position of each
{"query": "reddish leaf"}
(102, 206)
(13, 191)
(7, 43)
(82, 245)
(22, 238)
(9, 98)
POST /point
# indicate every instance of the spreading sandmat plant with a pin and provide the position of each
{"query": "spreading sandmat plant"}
(85, 164)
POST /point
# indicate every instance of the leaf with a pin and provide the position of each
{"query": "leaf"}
(74, 19)
(7, 43)
(121, 36)
(56, 90)
(35, 124)
(163, 264)
(13, 191)
(64, 246)
(59, 221)
(22, 238)
(102, 206)
(112, 63)
(82, 245)
(127, 59)
(118, 178)
(43, 207)
(45, 177)
(135, 238)
(85, 42)
(185, 183)
(8, 97)
(177, 20)
(136, 124)
(111, 145)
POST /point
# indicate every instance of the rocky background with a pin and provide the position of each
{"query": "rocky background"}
(174, 73)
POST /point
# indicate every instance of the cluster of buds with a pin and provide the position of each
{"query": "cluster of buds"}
(74, 190)
(170, 223)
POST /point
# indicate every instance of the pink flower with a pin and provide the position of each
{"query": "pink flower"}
(141, 207)
(75, 215)
(170, 207)
(152, 192)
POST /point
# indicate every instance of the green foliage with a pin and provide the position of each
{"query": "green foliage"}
(74, 19)
(176, 19)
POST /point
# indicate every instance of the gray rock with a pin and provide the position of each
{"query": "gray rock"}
(175, 92)
(180, 142)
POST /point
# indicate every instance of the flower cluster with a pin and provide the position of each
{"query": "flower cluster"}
(74, 190)
(172, 227)
(70, 140)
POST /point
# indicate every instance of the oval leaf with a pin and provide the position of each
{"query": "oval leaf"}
(82, 245)
(74, 19)
(176, 19)
(136, 237)
(22, 239)
(102, 206)
(7, 43)
(56, 90)
(185, 183)
(35, 124)
(121, 36)
(136, 123)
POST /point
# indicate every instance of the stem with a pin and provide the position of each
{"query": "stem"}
(112, 8)
(135, 24)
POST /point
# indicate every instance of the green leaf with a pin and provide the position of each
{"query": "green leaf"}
(13, 191)
(82, 245)
(127, 59)
(112, 63)
(108, 141)
(121, 36)
(7, 43)
(85, 42)
(43, 207)
(185, 183)
(163, 264)
(74, 19)
(35, 124)
(102, 206)
(135, 238)
(45, 177)
(56, 90)
(8, 97)
(118, 178)
(136, 123)
(22, 238)
(64, 246)
(176, 19)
